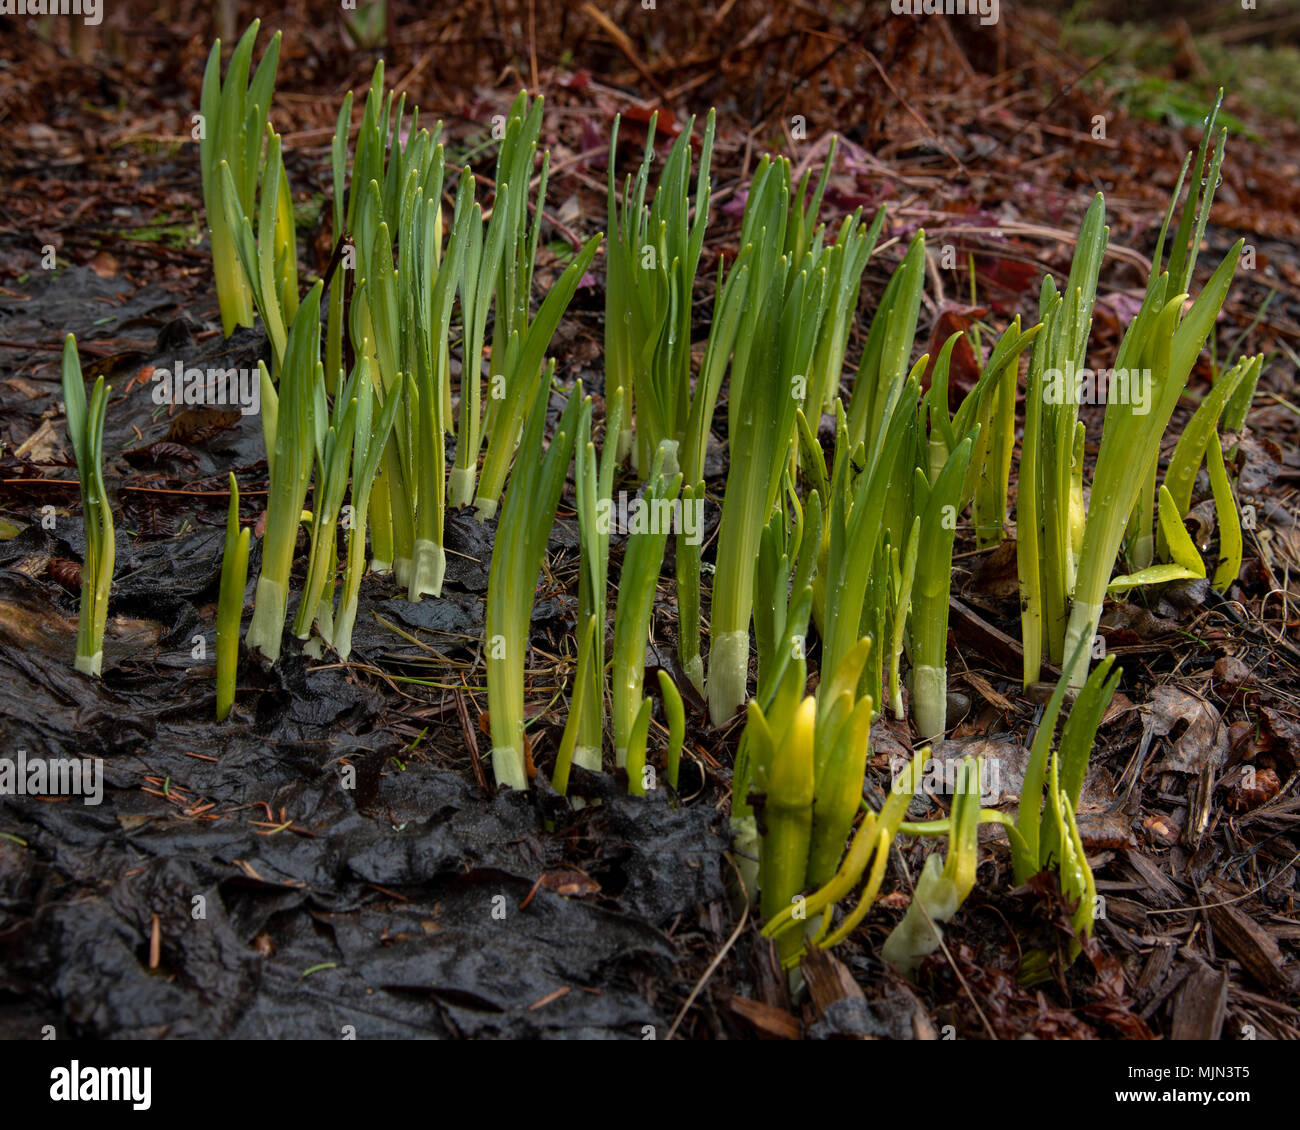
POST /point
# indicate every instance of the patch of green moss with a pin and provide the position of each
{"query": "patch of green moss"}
(1139, 59)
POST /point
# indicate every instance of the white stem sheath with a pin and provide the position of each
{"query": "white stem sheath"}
(918, 934)
(626, 445)
(930, 700)
(325, 616)
(429, 566)
(460, 486)
(508, 767)
(728, 674)
(669, 448)
(587, 757)
(266, 629)
(342, 634)
(91, 664)
(1143, 551)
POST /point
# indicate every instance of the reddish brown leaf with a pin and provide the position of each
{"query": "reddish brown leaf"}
(964, 368)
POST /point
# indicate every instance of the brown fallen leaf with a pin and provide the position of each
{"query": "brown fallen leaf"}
(998, 576)
(570, 883)
(105, 265)
(30, 389)
(194, 425)
(1282, 737)
(42, 446)
(1106, 831)
(1201, 737)
(963, 367)
(1161, 830)
(66, 574)
(1230, 670)
(1250, 789)
(767, 1020)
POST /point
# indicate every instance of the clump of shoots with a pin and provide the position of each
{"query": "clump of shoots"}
(525, 525)
(519, 340)
(936, 506)
(943, 885)
(863, 863)
(1198, 444)
(234, 122)
(370, 439)
(652, 259)
(290, 430)
(636, 591)
(395, 197)
(1066, 552)
(510, 385)
(951, 458)
(521, 368)
(86, 431)
(594, 484)
(652, 255)
(230, 603)
(1045, 835)
(728, 306)
(1167, 341)
(799, 776)
(269, 262)
(333, 452)
(483, 260)
(433, 290)
(773, 353)
(1051, 469)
